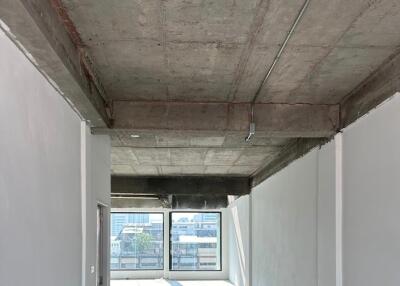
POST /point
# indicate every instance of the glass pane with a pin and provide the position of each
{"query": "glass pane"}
(137, 241)
(195, 241)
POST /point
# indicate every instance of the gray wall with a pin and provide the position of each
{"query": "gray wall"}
(239, 241)
(292, 235)
(371, 198)
(284, 220)
(330, 214)
(98, 164)
(293, 223)
(326, 215)
(40, 179)
(42, 168)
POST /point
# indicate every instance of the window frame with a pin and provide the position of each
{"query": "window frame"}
(170, 243)
(163, 239)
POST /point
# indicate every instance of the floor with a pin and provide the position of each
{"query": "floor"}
(163, 282)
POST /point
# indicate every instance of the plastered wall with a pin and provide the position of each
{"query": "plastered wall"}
(329, 218)
(53, 173)
(40, 178)
(371, 198)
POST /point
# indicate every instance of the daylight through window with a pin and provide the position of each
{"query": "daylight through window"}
(195, 241)
(137, 241)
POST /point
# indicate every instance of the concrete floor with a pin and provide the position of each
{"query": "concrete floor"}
(162, 282)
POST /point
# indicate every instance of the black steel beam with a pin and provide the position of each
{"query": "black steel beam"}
(199, 202)
(193, 186)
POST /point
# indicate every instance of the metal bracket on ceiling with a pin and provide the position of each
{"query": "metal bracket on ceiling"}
(252, 131)
(252, 126)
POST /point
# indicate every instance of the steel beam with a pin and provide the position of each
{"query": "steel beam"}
(193, 186)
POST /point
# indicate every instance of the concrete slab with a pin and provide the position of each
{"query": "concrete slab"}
(345, 65)
(255, 156)
(238, 170)
(153, 156)
(122, 169)
(222, 156)
(209, 21)
(188, 156)
(162, 62)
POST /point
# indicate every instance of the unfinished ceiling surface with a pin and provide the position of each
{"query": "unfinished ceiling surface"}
(219, 51)
(179, 76)
(190, 153)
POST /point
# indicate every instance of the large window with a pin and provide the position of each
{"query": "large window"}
(195, 241)
(137, 241)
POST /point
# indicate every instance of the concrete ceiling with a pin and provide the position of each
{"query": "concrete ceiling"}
(219, 51)
(190, 153)
(181, 74)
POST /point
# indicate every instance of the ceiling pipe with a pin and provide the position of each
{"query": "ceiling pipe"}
(252, 126)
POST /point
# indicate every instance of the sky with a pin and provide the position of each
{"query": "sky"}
(175, 216)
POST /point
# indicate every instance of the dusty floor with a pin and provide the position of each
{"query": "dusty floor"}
(162, 282)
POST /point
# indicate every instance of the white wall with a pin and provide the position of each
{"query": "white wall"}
(292, 236)
(326, 214)
(330, 214)
(40, 211)
(42, 225)
(293, 240)
(239, 241)
(371, 198)
(98, 165)
(284, 213)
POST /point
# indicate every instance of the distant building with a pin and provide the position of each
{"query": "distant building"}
(130, 250)
(206, 217)
(194, 242)
(119, 220)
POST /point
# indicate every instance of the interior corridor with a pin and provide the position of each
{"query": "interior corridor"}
(199, 143)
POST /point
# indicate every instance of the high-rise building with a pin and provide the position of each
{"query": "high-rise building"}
(118, 220)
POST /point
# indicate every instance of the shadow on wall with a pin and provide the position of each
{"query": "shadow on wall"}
(239, 247)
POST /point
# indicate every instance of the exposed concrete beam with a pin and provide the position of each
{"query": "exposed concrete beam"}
(375, 89)
(50, 40)
(291, 152)
(279, 120)
(193, 186)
